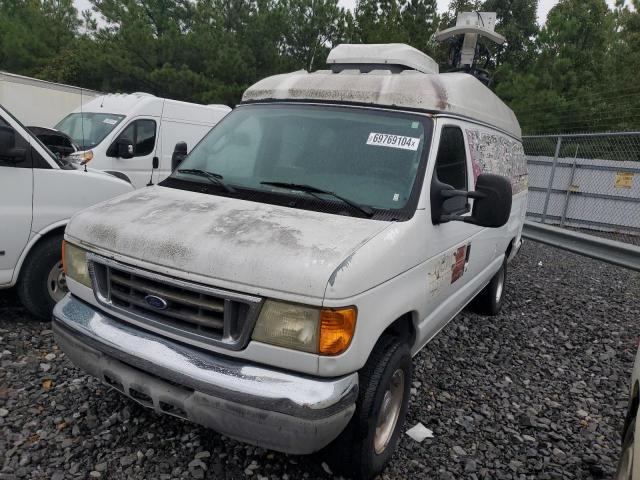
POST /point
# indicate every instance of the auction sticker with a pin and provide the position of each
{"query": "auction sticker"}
(393, 141)
(109, 121)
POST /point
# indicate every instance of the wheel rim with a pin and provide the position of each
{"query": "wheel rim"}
(626, 464)
(389, 411)
(500, 286)
(57, 283)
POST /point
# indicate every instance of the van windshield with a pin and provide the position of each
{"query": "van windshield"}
(88, 129)
(368, 156)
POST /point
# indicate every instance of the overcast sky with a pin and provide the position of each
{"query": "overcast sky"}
(543, 6)
(543, 9)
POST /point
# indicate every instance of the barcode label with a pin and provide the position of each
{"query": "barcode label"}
(393, 141)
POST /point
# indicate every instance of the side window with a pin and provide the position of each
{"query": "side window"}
(451, 165)
(142, 133)
(14, 150)
(145, 137)
(451, 162)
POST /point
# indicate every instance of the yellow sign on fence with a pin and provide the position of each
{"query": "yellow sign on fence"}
(624, 180)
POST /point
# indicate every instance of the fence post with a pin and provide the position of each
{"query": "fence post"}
(551, 176)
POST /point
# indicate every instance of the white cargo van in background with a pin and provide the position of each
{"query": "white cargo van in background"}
(124, 134)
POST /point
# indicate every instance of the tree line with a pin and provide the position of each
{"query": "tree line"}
(576, 72)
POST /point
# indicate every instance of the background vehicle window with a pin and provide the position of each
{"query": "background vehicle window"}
(88, 129)
(9, 142)
(142, 133)
(451, 166)
(145, 137)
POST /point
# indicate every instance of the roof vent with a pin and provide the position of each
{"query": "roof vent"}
(394, 57)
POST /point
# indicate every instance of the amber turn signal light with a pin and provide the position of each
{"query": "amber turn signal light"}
(336, 329)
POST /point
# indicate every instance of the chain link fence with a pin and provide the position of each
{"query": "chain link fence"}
(587, 182)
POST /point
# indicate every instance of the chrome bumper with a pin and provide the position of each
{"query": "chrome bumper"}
(273, 409)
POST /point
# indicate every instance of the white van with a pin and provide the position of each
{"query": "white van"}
(38, 195)
(135, 136)
(277, 284)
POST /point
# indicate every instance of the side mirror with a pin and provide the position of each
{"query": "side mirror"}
(491, 206)
(125, 148)
(179, 154)
(16, 155)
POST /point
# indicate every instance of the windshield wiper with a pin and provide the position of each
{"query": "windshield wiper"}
(214, 178)
(313, 190)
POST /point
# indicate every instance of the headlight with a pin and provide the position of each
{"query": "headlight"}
(81, 157)
(308, 329)
(74, 263)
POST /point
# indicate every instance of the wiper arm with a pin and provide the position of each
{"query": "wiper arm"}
(214, 178)
(314, 190)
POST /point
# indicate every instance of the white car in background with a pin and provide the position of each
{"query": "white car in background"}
(38, 195)
(135, 136)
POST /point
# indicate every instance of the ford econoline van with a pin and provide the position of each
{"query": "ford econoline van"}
(277, 284)
(128, 135)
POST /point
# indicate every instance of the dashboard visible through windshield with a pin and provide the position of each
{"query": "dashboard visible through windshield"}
(346, 160)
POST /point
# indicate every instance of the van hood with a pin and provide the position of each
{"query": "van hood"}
(245, 243)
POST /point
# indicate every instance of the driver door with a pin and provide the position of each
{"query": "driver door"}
(16, 195)
(142, 133)
(454, 255)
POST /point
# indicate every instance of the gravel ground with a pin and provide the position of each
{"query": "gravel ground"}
(537, 392)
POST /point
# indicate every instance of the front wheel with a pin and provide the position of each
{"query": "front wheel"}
(489, 300)
(42, 282)
(365, 447)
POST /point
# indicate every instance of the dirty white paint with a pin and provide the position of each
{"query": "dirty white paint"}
(265, 246)
(455, 93)
(447, 268)
(494, 153)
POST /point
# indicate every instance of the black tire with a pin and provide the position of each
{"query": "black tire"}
(32, 284)
(490, 299)
(625, 464)
(353, 452)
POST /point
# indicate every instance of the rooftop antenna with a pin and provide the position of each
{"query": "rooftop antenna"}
(466, 45)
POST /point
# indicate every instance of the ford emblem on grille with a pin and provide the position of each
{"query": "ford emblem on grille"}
(156, 302)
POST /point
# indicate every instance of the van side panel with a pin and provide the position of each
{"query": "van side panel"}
(193, 113)
(494, 152)
(172, 132)
(442, 266)
(184, 122)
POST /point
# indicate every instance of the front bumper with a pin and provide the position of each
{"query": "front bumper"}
(273, 409)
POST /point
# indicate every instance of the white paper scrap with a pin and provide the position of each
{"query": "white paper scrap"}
(419, 432)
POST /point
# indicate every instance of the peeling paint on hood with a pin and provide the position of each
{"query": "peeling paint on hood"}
(249, 243)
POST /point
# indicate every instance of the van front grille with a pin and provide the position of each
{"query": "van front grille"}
(190, 311)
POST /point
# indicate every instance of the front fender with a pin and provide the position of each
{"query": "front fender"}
(35, 238)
